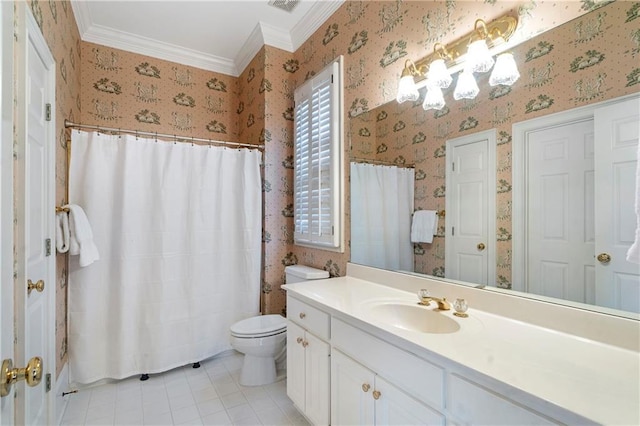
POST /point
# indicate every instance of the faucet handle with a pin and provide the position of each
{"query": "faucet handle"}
(423, 295)
(461, 306)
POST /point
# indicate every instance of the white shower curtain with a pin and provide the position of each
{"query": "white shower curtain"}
(178, 229)
(381, 208)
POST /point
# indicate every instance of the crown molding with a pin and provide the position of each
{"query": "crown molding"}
(82, 15)
(145, 46)
(276, 37)
(312, 20)
(249, 49)
(262, 34)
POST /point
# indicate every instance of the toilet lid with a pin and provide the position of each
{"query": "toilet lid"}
(259, 326)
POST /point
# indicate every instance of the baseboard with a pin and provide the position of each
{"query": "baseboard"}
(62, 385)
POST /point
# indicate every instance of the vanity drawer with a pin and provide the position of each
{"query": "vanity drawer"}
(419, 378)
(310, 318)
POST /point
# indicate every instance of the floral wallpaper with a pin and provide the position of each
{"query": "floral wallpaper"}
(590, 59)
(58, 25)
(130, 91)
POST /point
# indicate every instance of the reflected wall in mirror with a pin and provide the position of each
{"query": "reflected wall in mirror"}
(591, 59)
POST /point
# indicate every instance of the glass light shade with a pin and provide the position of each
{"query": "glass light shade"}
(438, 74)
(467, 88)
(478, 57)
(434, 98)
(505, 72)
(407, 90)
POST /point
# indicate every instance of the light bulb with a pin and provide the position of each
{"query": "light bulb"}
(438, 74)
(478, 57)
(434, 98)
(505, 72)
(467, 88)
(407, 90)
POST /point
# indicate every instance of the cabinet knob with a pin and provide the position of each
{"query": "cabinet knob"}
(366, 387)
(305, 344)
(299, 340)
(302, 315)
(376, 394)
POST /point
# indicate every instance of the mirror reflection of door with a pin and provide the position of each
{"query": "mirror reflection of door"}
(470, 208)
(578, 206)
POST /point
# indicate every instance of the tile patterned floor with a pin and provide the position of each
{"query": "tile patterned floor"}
(209, 395)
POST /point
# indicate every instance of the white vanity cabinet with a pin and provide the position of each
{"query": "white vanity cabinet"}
(360, 397)
(308, 361)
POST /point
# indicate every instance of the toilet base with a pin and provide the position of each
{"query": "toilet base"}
(257, 371)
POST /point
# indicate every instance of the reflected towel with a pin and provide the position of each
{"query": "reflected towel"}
(62, 232)
(81, 237)
(424, 226)
(633, 255)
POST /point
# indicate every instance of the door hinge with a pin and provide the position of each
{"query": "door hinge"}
(453, 167)
(47, 246)
(331, 78)
(453, 230)
(332, 229)
(47, 112)
(47, 382)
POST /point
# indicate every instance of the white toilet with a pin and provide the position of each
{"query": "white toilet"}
(262, 339)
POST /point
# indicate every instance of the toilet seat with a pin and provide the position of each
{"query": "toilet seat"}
(259, 326)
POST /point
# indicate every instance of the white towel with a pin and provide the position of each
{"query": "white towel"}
(81, 237)
(633, 255)
(424, 226)
(62, 232)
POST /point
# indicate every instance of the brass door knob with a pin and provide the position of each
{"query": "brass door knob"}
(32, 374)
(604, 258)
(305, 344)
(299, 340)
(481, 246)
(366, 387)
(39, 286)
(302, 315)
(376, 394)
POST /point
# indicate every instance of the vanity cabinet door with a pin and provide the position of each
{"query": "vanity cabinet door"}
(295, 365)
(308, 375)
(394, 407)
(317, 379)
(352, 386)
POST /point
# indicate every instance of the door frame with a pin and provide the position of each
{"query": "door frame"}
(6, 197)
(490, 136)
(28, 32)
(520, 132)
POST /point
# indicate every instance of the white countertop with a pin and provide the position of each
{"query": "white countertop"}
(591, 379)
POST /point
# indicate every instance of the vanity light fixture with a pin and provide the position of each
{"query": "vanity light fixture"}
(471, 54)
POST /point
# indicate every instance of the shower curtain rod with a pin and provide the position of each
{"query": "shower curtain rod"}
(68, 124)
(381, 163)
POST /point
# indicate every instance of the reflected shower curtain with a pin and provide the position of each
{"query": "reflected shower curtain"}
(178, 228)
(381, 208)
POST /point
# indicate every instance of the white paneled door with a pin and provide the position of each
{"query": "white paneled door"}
(574, 193)
(470, 208)
(6, 198)
(560, 228)
(617, 130)
(35, 172)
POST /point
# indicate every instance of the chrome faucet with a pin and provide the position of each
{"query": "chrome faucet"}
(426, 299)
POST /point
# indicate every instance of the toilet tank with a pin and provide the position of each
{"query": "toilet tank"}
(300, 273)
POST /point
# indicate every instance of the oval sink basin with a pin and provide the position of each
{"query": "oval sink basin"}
(414, 318)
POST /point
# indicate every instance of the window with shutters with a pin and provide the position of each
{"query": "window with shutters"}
(318, 167)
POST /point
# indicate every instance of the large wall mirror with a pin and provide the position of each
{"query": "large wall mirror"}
(571, 77)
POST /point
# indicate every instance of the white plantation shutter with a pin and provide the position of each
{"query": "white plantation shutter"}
(318, 160)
